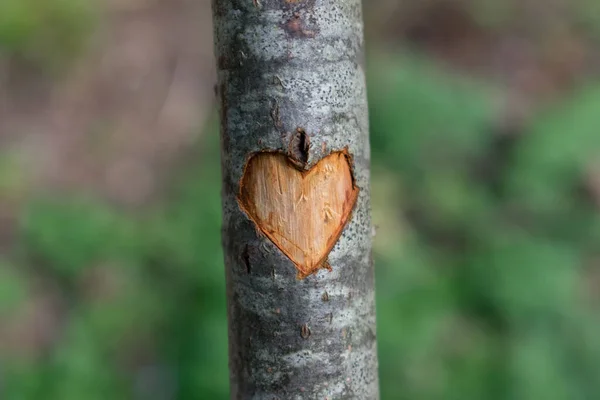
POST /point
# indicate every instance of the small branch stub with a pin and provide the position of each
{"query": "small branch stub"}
(299, 148)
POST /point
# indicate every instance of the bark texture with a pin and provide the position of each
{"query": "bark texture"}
(291, 79)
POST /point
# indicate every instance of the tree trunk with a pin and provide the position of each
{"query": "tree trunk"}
(296, 218)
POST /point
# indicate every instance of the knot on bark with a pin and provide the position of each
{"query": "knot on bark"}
(299, 147)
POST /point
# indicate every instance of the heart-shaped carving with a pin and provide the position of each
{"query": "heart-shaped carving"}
(302, 212)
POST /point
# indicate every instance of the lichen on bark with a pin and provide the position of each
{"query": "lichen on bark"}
(287, 67)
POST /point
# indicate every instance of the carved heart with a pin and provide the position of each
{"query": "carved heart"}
(302, 212)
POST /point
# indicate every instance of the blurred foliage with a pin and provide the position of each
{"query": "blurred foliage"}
(47, 32)
(144, 294)
(489, 297)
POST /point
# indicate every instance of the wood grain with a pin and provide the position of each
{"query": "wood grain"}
(302, 212)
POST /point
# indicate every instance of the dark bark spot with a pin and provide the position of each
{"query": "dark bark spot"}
(305, 331)
(277, 81)
(222, 62)
(275, 115)
(224, 104)
(325, 296)
(299, 146)
(369, 337)
(246, 259)
(296, 28)
(224, 111)
(218, 7)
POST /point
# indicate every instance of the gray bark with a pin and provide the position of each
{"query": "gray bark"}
(284, 67)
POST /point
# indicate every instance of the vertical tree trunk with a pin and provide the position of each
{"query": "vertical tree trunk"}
(296, 219)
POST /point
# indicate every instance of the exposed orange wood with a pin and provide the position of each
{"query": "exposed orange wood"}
(302, 212)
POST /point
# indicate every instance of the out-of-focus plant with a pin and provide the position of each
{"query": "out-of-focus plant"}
(48, 32)
(489, 294)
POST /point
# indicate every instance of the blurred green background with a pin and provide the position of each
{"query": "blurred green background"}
(485, 129)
